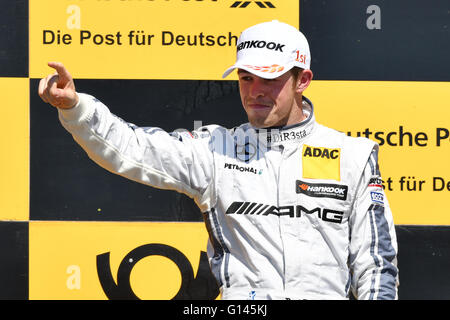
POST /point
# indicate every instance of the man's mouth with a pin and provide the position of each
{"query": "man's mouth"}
(259, 106)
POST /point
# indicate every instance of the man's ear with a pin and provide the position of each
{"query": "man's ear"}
(303, 81)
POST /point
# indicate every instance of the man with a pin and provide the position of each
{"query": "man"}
(294, 210)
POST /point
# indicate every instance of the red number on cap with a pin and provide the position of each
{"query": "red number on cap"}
(300, 57)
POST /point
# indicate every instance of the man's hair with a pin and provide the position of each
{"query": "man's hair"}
(295, 71)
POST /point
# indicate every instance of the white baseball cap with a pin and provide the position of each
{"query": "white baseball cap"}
(270, 49)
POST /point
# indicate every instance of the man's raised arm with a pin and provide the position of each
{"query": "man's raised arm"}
(176, 161)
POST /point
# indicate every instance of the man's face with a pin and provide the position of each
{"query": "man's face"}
(269, 102)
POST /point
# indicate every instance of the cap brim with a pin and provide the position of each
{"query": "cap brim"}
(228, 71)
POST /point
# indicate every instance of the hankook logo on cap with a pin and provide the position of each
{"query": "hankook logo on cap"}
(260, 44)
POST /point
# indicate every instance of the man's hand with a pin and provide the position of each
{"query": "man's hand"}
(58, 89)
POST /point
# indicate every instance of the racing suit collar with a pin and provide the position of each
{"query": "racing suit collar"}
(294, 133)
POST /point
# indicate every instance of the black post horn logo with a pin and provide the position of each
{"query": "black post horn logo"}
(203, 287)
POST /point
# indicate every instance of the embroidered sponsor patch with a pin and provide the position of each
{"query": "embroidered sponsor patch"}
(232, 166)
(321, 163)
(322, 190)
(377, 197)
(245, 152)
(375, 182)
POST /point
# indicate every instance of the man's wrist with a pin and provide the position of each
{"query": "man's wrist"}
(74, 112)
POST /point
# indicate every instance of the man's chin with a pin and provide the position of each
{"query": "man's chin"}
(261, 123)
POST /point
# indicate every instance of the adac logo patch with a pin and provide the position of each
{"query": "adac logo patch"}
(321, 163)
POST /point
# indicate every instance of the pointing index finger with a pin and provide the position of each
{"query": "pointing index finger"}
(60, 69)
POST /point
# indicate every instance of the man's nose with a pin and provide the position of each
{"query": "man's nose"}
(257, 88)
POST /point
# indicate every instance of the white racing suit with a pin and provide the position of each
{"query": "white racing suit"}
(292, 213)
